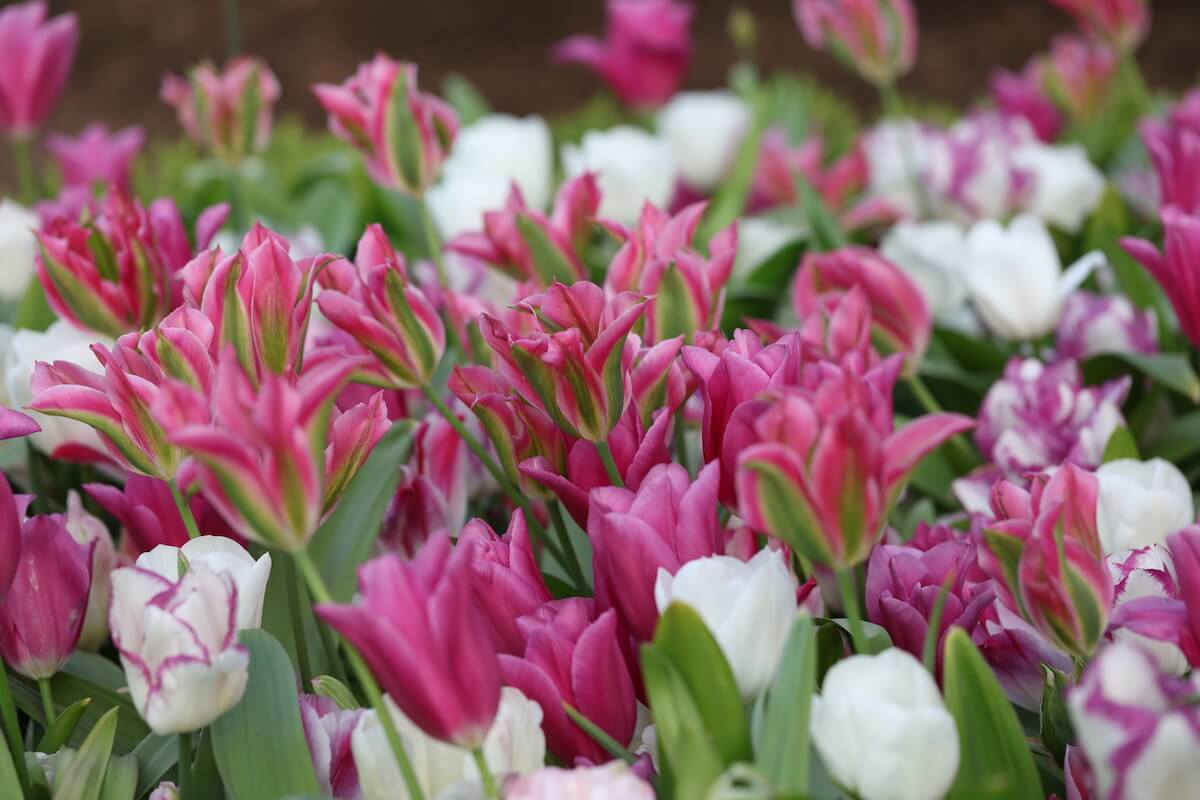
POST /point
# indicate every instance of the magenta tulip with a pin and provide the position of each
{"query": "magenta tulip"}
(227, 112)
(875, 38)
(426, 641)
(1120, 23)
(35, 60)
(149, 516)
(1176, 266)
(96, 158)
(328, 730)
(1023, 96)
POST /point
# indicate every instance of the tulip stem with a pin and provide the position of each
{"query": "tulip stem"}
(610, 466)
(485, 773)
(433, 243)
(47, 694)
(22, 148)
(297, 609)
(185, 766)
(849, 592)
(964, 457)
(570, 559)
(185, 511)
(320, 593)
(12, 732)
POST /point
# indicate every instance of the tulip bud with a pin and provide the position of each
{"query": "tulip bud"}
(96, 158)
(875, 38)
(587, 783)
(34, 64)
(1092, 324)
(1174, 150)
(1077, 73)
(748, 606)
(1141, 503)
(1120, 23)
(1173, 267)
(328, 730)
(403, 133)
(226, 112)
(91, 533)
(1023, 96)
(223, 557)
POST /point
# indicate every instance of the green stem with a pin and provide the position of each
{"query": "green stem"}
(47, 694)
(485, 773)
(610, 466)
(933, 633)
(12, 732)
(22, 147)
(599, 735)
(570, 559)
(233, 29)
(320, 592)
(433, 243)
(185, 766)
(298, 605)
(1131, 76)
(849, 592)
(965, 456)
(185, 510)
(476, 446)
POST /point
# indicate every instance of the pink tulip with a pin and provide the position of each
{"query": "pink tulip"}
(900, 315)
(572, 656)
(1016, 653)
(435, 487)
(506, 579)
(327, 730)
(1078, 74)
(10, 536)
(420, 631)
(148, 514)
(14, 424)
(404, 134)
(571, 364)
(386, 314)
(1104, 323)
(527, 245)
(1174, 149)
(117, 273)
(825, 465)
(227, 112)
(875, 38)
(35, 60)
(1176, 266)
(96, 158)
(1122, 24)
(42, 613)
(667, 522)
(1024, 96)
(646, 52)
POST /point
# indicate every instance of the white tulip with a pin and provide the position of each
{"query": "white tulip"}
(1146, 572)
(932, 254)
(1141, 503)
(897, 153)
(514, 744)
(225, 557)
(632, 168)
(882, 728)
(703, 130)
(749, 607)
(85, 528)
(1015, 278)
(178, 645)
(18, 248)
(609, 782)
(1066, 186)
(62, 341)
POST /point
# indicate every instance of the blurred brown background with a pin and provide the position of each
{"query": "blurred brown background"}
(501, 46)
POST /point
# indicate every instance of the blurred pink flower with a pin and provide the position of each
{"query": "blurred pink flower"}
(95, 157)
(35, 60)
(228, 112)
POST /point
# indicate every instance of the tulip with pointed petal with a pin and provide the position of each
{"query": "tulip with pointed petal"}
(35, 60)
(875, 38)
(228, 111)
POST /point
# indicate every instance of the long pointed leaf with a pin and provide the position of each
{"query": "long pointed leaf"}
(784, 753)
(83, 776)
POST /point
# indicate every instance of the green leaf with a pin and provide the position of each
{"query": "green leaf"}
(345, 539)
(783, 754)
(994, 759)
(548, 261)
(686, 750)
(730, 200)
(34, 313)
(335, 690)
(1179, 440)
(468, 102)
(120, 781)
(878, 639)
(63, 726)
(1056, 729)
(1120, 445)
(824, 231)
(83, 776)
(255, 766)
(10, 786)
(675, 312)
(1172, 370)
(155, 756)
(683, 637)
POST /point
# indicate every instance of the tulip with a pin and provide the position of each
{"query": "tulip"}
(166, 790)
(1174, 150)
(839, 184)
(825, 466)
(149, 516)
(441, 463)
(1038, 416)
(646, 52)
(932, 254)
(704, 130)
(1093, 323)
(514, 745)
(18, 246)
(387, 315)
(748, 606)
(632, 168)
(525, 244)
(36, 60)
(1144, 577)
(1078, 74)
(1064, 187)
(420, 632)
(1169, 618)
(95, 157)
(1122, 24)
(178, 645)
(227, 112)
(898, 309)
(572, 657)
(1015, 279)
(117, 273)
(1016, 653)
(1175, 266)
(403, 133)
(223, 557)
(570, 366)
(582, 783)
(91, 533)
(657, 260)
(1141, 503)
(1136, 725)
(1024, 96)
(882, 728)
(328, 730)
(875, 38)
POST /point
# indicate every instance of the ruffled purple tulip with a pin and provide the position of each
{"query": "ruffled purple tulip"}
(1097, 323)
(1165, 616)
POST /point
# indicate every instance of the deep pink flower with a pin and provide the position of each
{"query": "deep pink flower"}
(1023, 96)
(35, 60)
(875, 38)
(426, 641)
(1174, 149)
(10, 536)
(1016, 653)
(1176, 267)
(1122, 24)
(1104, 323)
(645, 53)
(95, 157)
(228, 112)
(328, 730)
(571, 656)
(435, 486)
(403, 133)
(148, 514)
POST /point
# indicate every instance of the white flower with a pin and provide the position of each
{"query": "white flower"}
(1066, 187)
(225, 557)
(18, 246)
(1015, 278)
(178, 645)
(703, 130)
(882, 729)
(632, 168)
(1146, 572)
(759, 238)
(898, 152)
(85, 528)
(514, 744)
(62, 341)
(1141, 503)
(932, 254)
(748, 606)
(613, 781)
